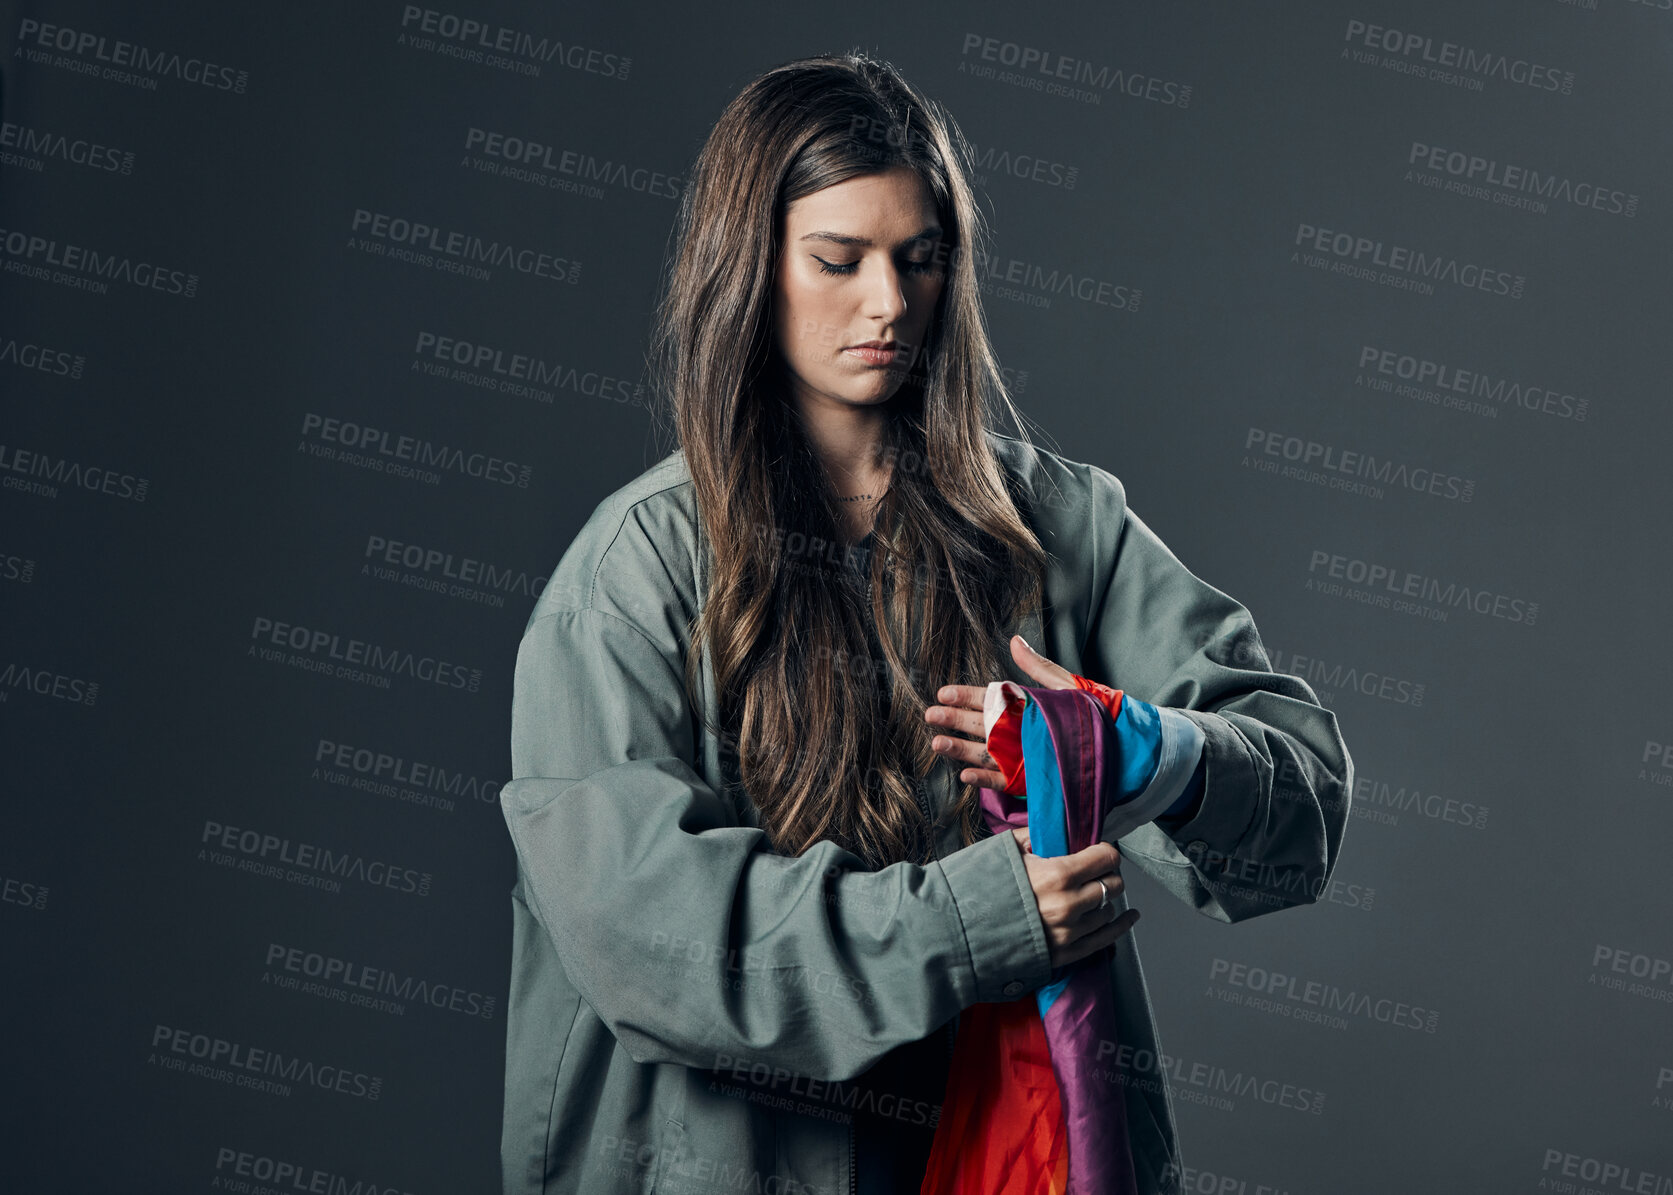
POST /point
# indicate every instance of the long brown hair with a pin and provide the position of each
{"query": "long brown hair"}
(831, 741)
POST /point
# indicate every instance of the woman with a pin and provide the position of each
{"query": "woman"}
(754, 891)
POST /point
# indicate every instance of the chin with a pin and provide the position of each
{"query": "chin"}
(881, 395)
(869, 395)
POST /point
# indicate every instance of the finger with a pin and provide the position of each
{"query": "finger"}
(962, 696)
(1093, 942)
(1112, 932)
(1066, 902)
(982, 778)
(982, 769)
(1050, 674)
(965, 721)
(1089, 863)
(962, 751)
(1089, 902)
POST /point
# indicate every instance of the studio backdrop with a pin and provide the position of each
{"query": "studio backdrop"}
(323, 329)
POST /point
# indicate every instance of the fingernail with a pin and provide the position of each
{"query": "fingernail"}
(1028, 645)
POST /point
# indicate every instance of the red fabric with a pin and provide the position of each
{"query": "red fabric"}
(1110, 697)
(1005, 745)
(1004, 741)
(1001, 1130)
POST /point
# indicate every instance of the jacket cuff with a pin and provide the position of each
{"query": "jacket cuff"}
(1231, 789)
(1001, 919)
(1181, 747)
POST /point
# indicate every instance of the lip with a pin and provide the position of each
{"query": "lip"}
(875, 352)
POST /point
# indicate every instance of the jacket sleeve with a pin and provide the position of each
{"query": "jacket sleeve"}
(685, 932)
(1265, 831)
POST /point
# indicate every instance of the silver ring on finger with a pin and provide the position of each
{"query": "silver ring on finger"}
(1104, 903)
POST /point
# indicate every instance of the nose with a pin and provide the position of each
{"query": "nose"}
(886, 298)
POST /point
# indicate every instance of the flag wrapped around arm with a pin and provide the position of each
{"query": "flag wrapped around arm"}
(1034, 1104)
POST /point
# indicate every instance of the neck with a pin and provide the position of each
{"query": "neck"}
(848, 441)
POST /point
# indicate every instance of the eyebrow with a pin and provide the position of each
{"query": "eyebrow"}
(842, 238)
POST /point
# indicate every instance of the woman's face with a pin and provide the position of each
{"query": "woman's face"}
(859, 264)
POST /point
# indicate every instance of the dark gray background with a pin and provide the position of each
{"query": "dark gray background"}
(1548, 1059)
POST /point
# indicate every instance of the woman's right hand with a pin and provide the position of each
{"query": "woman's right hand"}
(1066, 889)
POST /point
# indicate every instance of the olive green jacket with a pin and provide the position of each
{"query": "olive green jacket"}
(686, 1006)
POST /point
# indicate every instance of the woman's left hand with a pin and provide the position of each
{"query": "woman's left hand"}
(961, 712)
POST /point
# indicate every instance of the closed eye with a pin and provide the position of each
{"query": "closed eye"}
(848, 267)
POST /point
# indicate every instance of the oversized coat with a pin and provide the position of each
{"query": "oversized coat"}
(685, 1005)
